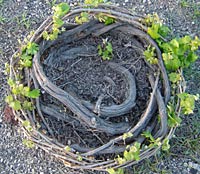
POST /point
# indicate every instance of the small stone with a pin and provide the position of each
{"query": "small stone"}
(149, 2)
(9, 134)
(185, 164)
(93, 121)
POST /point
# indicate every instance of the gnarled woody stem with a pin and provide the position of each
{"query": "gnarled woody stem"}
(127, 105)
(126, 23)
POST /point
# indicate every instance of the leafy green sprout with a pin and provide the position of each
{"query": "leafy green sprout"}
(165, 145)
(104, 18)
(153, 142)
(84, 17)
(28, 143)
(187, 102)
(106, 50)
(28, 51)
(27, 125)
(59, 11)
(115, 171)
(175, 77)
(67, 148)
(94, 3)
(150, 55)
(20, 91)
(155, 27)
(127, 135)
(131, 153)
(173, 119)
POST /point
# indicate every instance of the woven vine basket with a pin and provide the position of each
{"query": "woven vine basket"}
(91, 112)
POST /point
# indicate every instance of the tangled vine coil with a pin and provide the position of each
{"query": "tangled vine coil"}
(97, 120)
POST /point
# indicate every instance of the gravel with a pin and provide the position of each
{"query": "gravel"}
(17, 159)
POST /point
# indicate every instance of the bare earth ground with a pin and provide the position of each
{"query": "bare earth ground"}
(19, 17)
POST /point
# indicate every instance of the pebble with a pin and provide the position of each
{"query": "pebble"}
(194, 166)
(185, 164)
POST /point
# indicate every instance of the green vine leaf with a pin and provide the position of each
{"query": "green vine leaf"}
(93, 2)
(67, 148)
(147, 134)
(174, 77)
(106, 19)
(153, 31)
(153, 142)
(185, 40)
(57, 23)
(120, 160)
(84, 17)
(152, 18)
(192, 57)
(171, 61)
(80, 158)
(27, 125)
(127, 135)
(187, 102)
(9, 99)
(61, 9)
(35, 93)
(17, 89)
(165, 145)
(106, 51)
(115, 171)
(173, 119)
(133, 153)
(195, 44)
(163, 30)
(26, 60)
(111, 171)
(45, 35)
(150, 55)
(28, 105)
(180, 52)
(11, 82)
(155, 27)
(16, 105)
(32, 48)
(28, 143)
